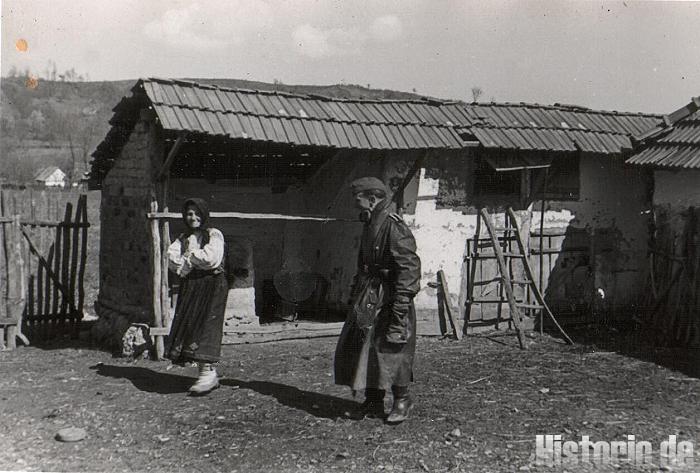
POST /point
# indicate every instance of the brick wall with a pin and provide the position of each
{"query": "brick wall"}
(125, 270)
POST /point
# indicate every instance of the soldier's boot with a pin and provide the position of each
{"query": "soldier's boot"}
(373, 407)
(403, 403)
(207, 381)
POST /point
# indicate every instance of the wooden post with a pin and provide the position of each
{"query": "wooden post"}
(541, 255)
(31, 277)
(56, 271)
(46, 324)
(165, 168)
(441, 306)
(448, 308)
(165, 240)
(164, 296)
(83, 256)
(74, 318)
(4, 260)
(463, 285)
(156, 282)
(473, 261)
(65, 267)
(16, 283)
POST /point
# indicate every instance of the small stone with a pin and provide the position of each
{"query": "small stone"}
(544, 390)
(162, 438)
(71, 434)
(342, 455)
(456, 433)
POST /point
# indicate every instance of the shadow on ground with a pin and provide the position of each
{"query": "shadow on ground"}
(635, 342)
(316, 404)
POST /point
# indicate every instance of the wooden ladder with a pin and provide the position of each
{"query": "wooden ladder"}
(505, 253)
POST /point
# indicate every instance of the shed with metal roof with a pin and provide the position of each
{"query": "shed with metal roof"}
(259, 154)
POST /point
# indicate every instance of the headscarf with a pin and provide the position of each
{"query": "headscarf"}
(202, 208)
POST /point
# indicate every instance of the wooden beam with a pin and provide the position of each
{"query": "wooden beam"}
(398, 195)
(44, 223)
(171, 156)
(252, 216)
(156, 280)
(448, 308)
(440, 305)
(16, 290)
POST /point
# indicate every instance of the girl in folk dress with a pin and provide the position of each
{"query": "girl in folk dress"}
(197, 256)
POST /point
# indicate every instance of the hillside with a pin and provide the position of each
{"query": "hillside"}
(55, 123)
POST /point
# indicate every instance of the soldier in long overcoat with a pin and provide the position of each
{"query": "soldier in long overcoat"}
(376, 347)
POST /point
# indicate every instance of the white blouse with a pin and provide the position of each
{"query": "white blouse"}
(188, 255)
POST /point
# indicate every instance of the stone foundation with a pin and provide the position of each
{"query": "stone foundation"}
(240, 309)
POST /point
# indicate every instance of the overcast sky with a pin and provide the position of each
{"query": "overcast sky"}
(620, 55)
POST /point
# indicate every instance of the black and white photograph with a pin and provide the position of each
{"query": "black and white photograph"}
(424, 236)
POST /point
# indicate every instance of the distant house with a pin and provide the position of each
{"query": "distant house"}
(672, 151)
(51, 177)
(263, 152)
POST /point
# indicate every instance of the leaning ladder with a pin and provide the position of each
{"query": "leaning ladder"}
(501, 240)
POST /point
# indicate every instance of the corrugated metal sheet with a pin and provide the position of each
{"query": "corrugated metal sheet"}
(673, 156)
(561, 117)
(555, 128)
(555, 140)
(286, 118)
(677, 147)
(306, 120)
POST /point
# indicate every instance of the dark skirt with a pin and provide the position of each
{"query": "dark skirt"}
(368, 361)
(198, 324)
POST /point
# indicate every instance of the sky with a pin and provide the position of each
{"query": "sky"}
(632, 56)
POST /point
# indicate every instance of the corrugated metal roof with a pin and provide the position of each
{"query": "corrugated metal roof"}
(673, 156)
(309, 120)
(287, 118)
(557, 128)
(675, 143)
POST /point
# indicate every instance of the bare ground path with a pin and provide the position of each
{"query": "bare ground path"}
(278, 409)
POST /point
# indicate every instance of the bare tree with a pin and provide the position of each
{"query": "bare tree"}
(476, 93)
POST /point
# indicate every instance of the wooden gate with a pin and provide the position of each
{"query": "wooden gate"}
(42, 260)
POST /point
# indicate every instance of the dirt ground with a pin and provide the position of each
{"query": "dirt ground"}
(480, 403)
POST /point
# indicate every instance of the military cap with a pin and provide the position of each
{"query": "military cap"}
(368, 183)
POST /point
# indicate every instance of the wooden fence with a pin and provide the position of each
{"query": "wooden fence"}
(672, 299)
(43, 252)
